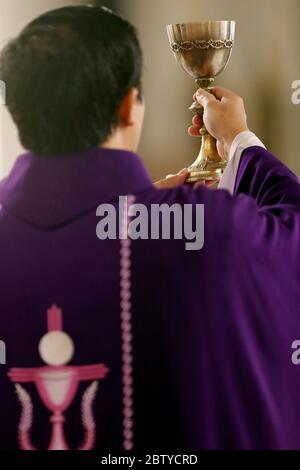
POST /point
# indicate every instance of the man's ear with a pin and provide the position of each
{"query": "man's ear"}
(126, 110)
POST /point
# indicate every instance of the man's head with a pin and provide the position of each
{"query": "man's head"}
(73, 79)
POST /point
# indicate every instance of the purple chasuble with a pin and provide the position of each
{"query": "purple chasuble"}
(212, 330)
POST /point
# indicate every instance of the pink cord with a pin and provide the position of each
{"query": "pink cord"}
(126, 328)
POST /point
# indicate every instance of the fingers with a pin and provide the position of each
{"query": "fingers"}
(172, 181)
(218, 93)
(204, 97)
(197, 121)
(194, 131)
(195, 128)
(224, 114)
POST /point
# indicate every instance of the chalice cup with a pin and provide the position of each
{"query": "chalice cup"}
(203, 50)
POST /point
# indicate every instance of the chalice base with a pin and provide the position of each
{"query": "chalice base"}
(209, 166)
(204, 175)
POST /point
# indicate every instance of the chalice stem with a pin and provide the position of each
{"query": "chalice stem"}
(208, 165)
(58, 440)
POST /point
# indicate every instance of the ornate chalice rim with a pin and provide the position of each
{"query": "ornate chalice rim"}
(186, 46)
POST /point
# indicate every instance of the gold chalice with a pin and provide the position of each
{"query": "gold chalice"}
(203, 50)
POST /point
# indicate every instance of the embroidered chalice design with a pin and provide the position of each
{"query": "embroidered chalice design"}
(57, 384)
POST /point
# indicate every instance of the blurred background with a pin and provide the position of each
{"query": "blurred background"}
(264, 63)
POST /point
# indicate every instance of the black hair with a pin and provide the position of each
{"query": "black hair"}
(66, 75)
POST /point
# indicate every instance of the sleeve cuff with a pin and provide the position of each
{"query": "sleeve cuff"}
(241, 142)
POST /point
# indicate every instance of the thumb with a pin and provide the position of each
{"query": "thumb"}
(204, 97)
(172, 181)
(220, 93)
